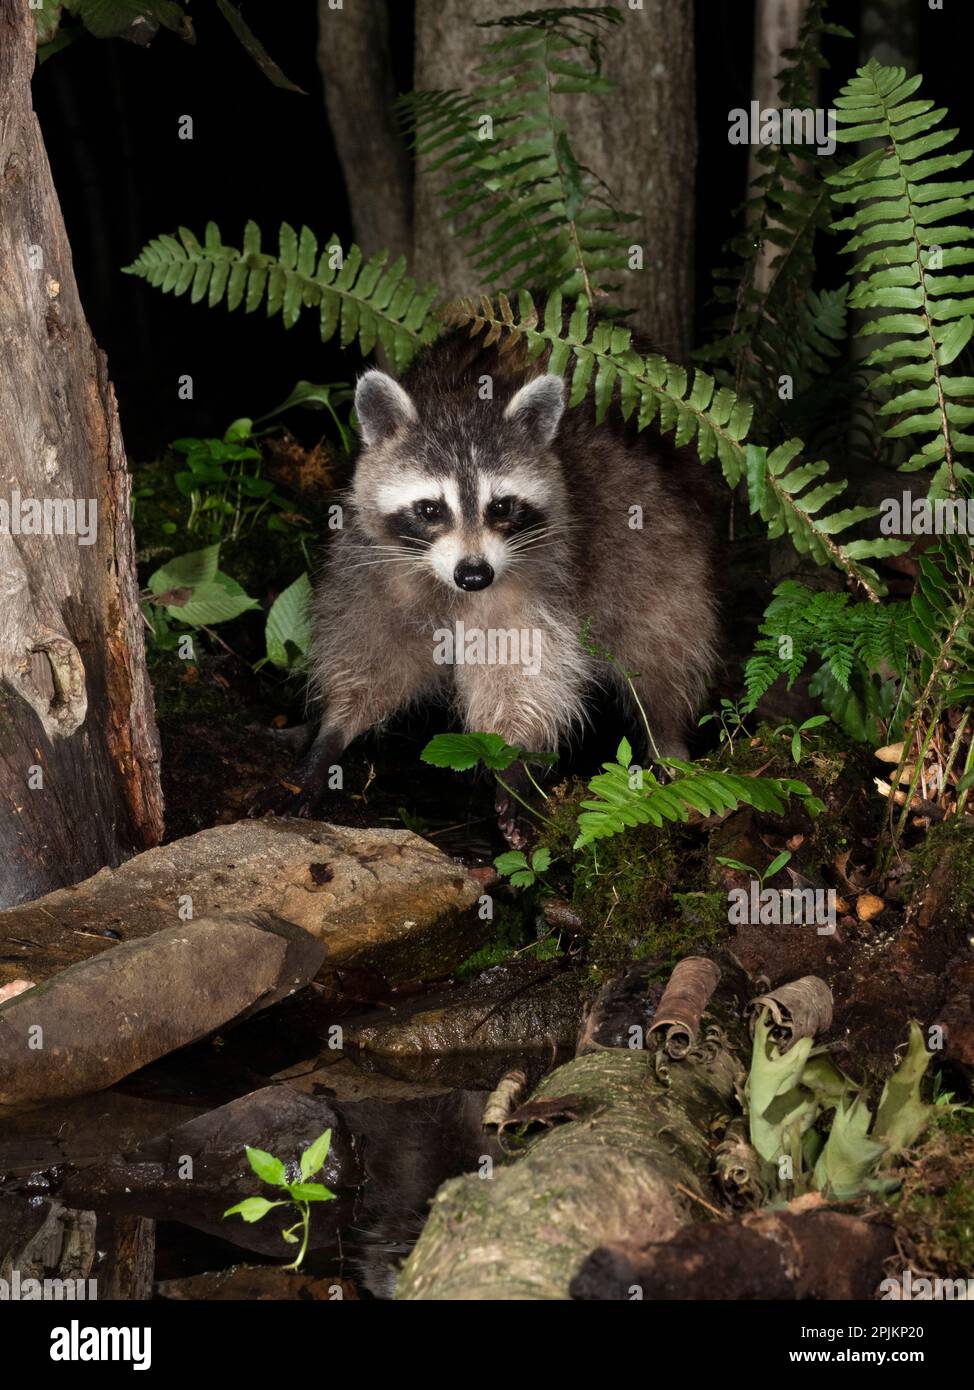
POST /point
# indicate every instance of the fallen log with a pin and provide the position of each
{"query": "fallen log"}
(630, 1148)
(789, 1254)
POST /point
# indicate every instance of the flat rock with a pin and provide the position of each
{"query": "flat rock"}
(465, 1037)
(381, 898)
(107, 1016)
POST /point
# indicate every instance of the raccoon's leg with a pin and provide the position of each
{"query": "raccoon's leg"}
(669, 692)
(532, 702)
(358, 691)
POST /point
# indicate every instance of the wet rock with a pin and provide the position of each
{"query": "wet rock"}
(200, 1168)
(338, 1078)
(105, 1017)
(258, 1283)
(382, 898)
(78, 1131)
(507, 1011)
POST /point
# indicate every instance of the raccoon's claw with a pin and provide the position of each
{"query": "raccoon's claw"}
(282, 798)
(513, 821)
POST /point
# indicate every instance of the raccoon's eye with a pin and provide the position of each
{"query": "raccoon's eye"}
(429, 510)
(500, 508)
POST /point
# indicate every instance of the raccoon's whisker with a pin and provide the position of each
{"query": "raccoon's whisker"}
(530, 539)
(388, 560)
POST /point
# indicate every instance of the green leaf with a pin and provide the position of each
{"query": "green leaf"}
(216, 601)
(310, 1192)
(131, 19)
(186, 571)
(510, 862)
(463, 751)
(268, 1168)
(255, 48)
(315, 1155)
(849, 1159)
(780, 1109)
(351, 294)
(902, 1116)
(252, 1208)
(289, 623)
(779, 862)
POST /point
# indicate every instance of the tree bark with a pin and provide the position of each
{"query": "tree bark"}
(632, 1152)
(776, 26)
(641, 140)
(356, 67)
(79, 752)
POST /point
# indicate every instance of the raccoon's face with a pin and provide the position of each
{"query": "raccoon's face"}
(465, 494)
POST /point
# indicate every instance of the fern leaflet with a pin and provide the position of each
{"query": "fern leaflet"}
(364, 301)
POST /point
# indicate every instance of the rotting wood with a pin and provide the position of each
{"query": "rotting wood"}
(79, 750)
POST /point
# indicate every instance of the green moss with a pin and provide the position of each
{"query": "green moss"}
(936, 1211)
(514, 930)
(947, 850)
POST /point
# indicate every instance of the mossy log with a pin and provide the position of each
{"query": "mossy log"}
(632, 1153)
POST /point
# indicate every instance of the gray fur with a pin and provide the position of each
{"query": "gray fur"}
(648, 593)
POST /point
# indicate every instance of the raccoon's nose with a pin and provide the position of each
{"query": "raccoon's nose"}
(473, 574)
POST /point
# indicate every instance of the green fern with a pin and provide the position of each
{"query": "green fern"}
(516, 192)
(788, 494)
(362, 301)
(623, 799)
(854, 643)
(908, 236)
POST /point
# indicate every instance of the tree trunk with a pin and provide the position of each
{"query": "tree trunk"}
(79, 752)
(356, 68)
(776, 26)
(641, 140)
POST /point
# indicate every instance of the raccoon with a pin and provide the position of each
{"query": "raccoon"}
(483, 510)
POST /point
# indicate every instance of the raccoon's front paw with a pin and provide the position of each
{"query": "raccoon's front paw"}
(514, 822)
(286, 798)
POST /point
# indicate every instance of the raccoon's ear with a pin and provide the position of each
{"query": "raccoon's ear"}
(382, 406)
(539, 406)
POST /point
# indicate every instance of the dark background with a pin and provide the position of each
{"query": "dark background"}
(110, 111)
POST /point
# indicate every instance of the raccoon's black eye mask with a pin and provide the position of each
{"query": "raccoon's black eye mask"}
(428, 509)
(501, 508)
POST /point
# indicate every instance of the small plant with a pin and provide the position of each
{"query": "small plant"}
(779, 862)
(796, 732)
(522, 873)
(789, 1092)
(464, 751)
(301, 1194)
(731, 717)
(227, 493)
(191, 590)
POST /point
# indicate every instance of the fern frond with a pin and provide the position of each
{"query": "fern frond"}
(617, 805)
(853, 640)
(788, 494)
(909, 231)
(362, 301)
(516, 193)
